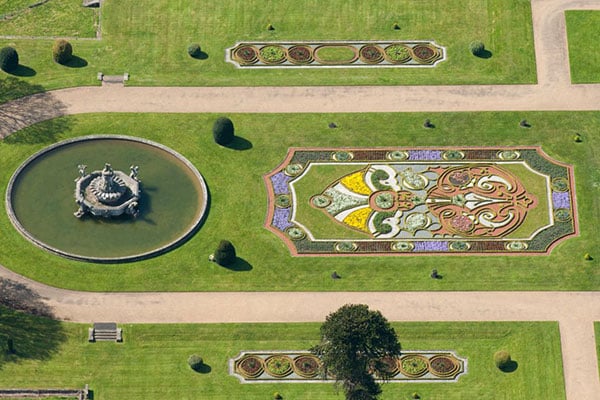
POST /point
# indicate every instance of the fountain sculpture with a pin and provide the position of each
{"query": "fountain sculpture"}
(107, 193)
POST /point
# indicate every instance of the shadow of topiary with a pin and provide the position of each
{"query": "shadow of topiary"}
(485, 53)
(26, 323)
(510, 366)
(200, 56)
(240, 265)
(203, 369)
(12, 88)
(23, 71)
(239, 143)
(76, 62)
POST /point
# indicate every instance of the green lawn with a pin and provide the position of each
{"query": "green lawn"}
(582, 31)
(151, 362)
(149, 41)
(238, 204)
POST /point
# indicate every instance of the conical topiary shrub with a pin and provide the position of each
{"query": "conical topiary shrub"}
(225, 253)
(9, 59)
(223, 131)
(62, 51)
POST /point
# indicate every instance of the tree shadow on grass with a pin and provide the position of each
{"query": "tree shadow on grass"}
(23, 71)
(485, 54)
(43, 132)
(12, 88)
(240, 265)
(239, 143)
(511, 366)
(76, 62)
(27, 321)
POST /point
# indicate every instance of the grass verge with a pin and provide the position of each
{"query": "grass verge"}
(582, 29)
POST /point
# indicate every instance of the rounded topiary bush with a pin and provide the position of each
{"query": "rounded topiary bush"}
(223, 131)
(477, 48)
(502, 359)
(225, 253)
(195, 362)
(277, 396)
(194, 50)
(62, 51)
(9, 59)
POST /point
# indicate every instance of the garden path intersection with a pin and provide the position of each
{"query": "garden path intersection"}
(575, 311)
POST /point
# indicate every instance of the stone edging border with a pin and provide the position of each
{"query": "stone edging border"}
(313, 61)
(136, 257)
(292, 377)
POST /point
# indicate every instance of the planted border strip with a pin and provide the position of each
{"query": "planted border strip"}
(424, 53)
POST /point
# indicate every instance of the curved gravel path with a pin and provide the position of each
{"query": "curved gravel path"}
(575, 311)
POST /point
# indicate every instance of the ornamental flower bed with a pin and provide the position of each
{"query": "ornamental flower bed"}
(422, 201)
(304, 367)
(336, 54)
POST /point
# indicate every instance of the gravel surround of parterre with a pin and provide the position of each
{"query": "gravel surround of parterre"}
(362, 54)
(423, 201)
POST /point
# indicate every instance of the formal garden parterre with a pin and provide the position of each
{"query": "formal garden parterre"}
(414, 201)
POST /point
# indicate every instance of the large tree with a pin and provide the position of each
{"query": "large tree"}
(353, 341)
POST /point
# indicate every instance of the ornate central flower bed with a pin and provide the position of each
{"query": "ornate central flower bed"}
(335, 54)
(421, 201)
(301, 366)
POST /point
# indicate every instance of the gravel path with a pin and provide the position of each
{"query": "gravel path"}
(575, 311)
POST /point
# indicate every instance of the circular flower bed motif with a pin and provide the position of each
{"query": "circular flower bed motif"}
(246, 55)
(397, 155)
(320, 201)
(307, 366)
(345, 247)
(443, 366)
(415, 181)
(424, 53)
(250, 366)
(508, 155)
(403, 246)
(397, 53)
(516, 246)
(295, 233)
(293, 169)
(414, 365)
(272, 54)
(390, 367)
(384, 200)
(560, 185)
(562, 214)
(278, 366)
(371, 54)
(453, 155)
(462, 223)
(283, 201)
(300, 54)
(416, 221)
(343, 156)
(460, 246)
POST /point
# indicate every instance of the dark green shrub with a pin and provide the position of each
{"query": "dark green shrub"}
(10, 346)
(195, 362)
(277, 396)
(62, 51)
(225, 253)
(9, 59)
(502, 359)
(477, 48)
(223, 131)
(270, 27)
(587, 257)
(194, 50)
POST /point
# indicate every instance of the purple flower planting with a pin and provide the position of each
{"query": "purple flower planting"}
(424, 154)
(281, 219)
(431, 246)
(280, 183)
(561, 200)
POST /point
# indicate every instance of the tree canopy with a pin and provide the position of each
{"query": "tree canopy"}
(354, 339)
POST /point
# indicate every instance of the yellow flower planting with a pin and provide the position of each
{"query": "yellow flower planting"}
(356, 183)
(358, 219)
